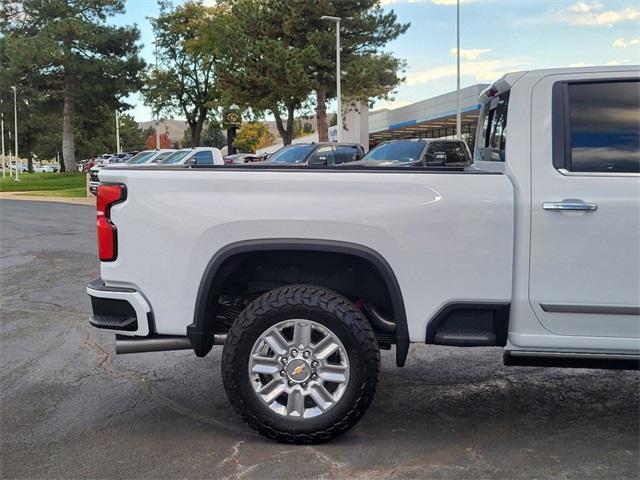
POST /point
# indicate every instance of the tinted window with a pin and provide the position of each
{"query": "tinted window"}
(400, 151)
(604, 127)
(323, 156)
(175, 157)
(203, 158)
(292, 154)
(455, 152)
(494, 129)
(346, 154)
(161, 157)
(142, 157)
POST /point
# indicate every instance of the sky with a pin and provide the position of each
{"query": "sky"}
(496, 37)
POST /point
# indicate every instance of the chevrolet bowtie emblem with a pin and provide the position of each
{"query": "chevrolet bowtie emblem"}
(298, 370)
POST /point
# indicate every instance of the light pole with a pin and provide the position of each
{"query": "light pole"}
(2, 129)
(117, 132)
(338, 93)
(157, 114)
(15, 124)
(458, 113)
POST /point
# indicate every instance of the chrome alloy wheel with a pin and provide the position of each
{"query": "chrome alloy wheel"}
(299, 368)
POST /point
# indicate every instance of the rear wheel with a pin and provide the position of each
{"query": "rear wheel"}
(301, 364)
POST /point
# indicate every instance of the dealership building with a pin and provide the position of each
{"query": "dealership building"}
(431, 118)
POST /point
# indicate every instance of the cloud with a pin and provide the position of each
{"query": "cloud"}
(470, 54)
(482, 71)
(593, 14)
(584, 7)
(622, 43)
(435, 2)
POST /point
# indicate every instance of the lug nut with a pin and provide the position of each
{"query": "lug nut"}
(306, 354)
(294, 353)
(314, 376)
(304, 385)
(315, 363)
(282, 373)
(290, 383)
(284, 360)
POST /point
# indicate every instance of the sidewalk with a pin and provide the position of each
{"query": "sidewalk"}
(39, 198)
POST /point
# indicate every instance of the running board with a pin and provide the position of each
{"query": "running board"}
(158, 343)
(571, 360)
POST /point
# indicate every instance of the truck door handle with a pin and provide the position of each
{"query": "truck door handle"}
(570, 205)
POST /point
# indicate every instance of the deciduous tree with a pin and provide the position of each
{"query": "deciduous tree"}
(184, 81)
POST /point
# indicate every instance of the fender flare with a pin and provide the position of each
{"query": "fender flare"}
(202, 338)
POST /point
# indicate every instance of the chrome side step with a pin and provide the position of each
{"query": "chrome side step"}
(571, 360)
(158, 343)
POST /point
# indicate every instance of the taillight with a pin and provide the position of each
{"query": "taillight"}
(108, 195)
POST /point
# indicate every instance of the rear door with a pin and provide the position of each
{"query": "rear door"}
(585, 212)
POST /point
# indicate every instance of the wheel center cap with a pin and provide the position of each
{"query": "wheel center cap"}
(298, 370)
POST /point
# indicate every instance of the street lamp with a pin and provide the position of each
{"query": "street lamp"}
(15, 124)
(338, 99)
(2, 133)
(458, 113)
(117, 133)
(155, 43)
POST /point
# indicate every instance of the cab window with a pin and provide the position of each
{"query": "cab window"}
(603, 127)
(493, 143)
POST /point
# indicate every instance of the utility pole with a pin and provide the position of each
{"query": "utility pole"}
(117, 132)
(2, 129)
(338, 72)
(157, 115)
(458, 113)
(15, 124)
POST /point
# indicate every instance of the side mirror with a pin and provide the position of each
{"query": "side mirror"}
(440, 158)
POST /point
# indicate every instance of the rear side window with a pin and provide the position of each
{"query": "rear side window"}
(346, 154)
(456, 154)
(494, 129)
(203, 158)
(602, 127)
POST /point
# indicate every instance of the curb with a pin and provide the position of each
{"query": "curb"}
(90, 201)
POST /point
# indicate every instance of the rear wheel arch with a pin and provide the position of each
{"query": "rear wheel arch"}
(201, 331)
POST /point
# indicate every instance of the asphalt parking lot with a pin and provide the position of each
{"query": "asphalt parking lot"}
(71, 409)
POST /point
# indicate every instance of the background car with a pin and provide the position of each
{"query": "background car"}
(242, 158)
(195, 156)
(436, 153)
(150, 156)
(328, 153)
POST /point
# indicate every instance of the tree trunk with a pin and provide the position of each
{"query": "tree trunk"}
(30, 162)
(284, 133)
(321, 115)
(196, 128)
(68, 147)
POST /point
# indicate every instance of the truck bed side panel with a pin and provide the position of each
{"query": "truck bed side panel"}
(447, 236)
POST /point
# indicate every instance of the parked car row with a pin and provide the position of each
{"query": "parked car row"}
(433, 153)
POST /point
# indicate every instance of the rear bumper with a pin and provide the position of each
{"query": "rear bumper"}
(121, 310)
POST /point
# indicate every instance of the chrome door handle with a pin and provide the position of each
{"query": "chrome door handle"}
(570, 205)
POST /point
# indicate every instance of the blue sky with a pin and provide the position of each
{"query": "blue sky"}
(497, 36)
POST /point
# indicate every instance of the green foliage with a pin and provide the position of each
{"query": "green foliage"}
(261, 71)
(214, 136)
(252, 136)
(272, 54)
(184, 81)
(63, 53)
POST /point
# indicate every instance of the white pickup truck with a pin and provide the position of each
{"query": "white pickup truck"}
(304, 274)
